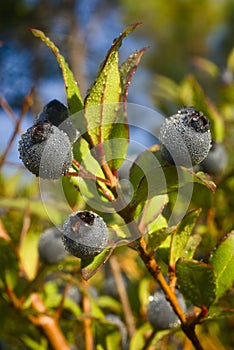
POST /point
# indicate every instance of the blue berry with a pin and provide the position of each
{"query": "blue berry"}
(185, 137)
(160, 312)
(50, 246)
(216, 161)
(45, 150)
(85, 234)
(58, 114)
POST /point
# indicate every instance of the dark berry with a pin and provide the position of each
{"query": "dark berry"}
(85, 234)
(122, 328)
(46, 150)
(160, 312)
(58, 114)
(50, 246)
(216, 161)
(185, 137)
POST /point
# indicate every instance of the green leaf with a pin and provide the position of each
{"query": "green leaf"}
(152, 211)
(101, 103)
(230, 61)
(75, 102)
(9, 264)
(196, 281)
(29, 254)
(139, 338)
(180, 237)
(192, 94)
(36, 207)
(222, 259)
(90, 266)
(191, 246)
(203, 179)
(156, 238)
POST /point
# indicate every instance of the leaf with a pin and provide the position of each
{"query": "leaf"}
(230, 61)
(156, 238)
(75, 102)
(207, 66)
(139, 338)
(29, 255)
(152, 210)
(196, 281)
(101, 103)
(180, 237)
(191, 246)
(90, 266)
(36, 207)
(192, 94)
(9, 264)
(127, 69)
(222, 259)
(203, 179)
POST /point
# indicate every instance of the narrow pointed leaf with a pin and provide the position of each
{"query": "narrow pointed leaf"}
(127, 69)
(180, 237)
(222, 259)
(101, 103)
(192, 94)
(196, 281)
(90, 266)
(74, 99)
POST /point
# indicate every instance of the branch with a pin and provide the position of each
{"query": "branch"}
(48, 324)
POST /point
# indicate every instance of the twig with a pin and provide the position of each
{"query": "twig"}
(87, 321)
(154, 269)
(115, 268)
(48, 324)
(26, 105)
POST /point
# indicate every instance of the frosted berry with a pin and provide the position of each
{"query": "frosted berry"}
(216, 161)
(185, 137)
(46, 150)
(85, 234)
(160, 312)
(50, 246)
(57, 113)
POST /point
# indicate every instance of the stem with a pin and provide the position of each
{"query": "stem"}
(26, 105)
(48, 324)
(154, 270)
(115, 268)
(87, 321)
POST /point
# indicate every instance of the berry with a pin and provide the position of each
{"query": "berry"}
(185, 137)
(45, 150)
(50, 246)
(216, 161)
(160, 312)
(58, 114)
(123, 331)
(85, 234)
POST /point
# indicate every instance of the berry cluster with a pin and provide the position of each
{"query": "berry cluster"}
(45, 148)
(185, 137)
